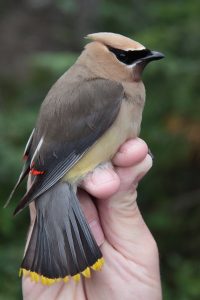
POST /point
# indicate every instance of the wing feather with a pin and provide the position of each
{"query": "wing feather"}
(25, 169)
(80, 117)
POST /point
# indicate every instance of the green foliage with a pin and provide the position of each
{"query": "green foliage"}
(55, 63)
(169, 195)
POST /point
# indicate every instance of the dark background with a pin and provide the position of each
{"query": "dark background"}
(39, 40)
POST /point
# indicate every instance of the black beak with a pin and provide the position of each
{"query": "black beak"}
(153, 55)
(144, 57)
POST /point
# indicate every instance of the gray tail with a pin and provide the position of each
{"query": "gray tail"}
(61, 243)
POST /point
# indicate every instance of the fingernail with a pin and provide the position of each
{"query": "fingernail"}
(151, 154)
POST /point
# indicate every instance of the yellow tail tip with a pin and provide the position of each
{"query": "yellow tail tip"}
(23, 272)
(98, 264)
(65, 279)
(49, 281)
(20, 272)
(86, 273)
(77, 277)
(34, 276)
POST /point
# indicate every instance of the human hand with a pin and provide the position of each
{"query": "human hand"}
(131, 270)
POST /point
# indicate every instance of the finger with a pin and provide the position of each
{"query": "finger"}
(122, 223)
(130, 153)
(91, 215)
(130, 177)
(102, 183)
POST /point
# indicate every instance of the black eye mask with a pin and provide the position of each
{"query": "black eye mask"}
(131, 56)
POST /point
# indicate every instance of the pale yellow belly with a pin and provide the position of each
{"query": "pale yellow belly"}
(104, 149)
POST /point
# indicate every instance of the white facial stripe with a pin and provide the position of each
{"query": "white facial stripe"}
(133, 65)
(134, 49)
(37, 150)
(130, 66)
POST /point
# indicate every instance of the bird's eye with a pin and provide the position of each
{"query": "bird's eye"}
(129, 57)
(120, 54)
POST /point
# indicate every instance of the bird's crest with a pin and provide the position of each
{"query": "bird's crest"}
(115, 40)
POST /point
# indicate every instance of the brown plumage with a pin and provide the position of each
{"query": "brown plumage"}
(98, 102)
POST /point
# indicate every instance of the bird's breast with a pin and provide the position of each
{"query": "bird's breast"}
(126, 125)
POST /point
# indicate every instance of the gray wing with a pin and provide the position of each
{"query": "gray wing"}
(67, 130)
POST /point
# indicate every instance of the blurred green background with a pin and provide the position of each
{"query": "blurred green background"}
(39, 40)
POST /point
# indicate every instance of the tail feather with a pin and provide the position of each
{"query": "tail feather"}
(61, 244)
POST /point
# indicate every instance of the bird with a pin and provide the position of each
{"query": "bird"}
(91, 110)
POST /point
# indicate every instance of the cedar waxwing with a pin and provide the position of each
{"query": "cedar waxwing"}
(88, 113)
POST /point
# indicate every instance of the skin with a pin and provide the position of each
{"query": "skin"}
(131, 271)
